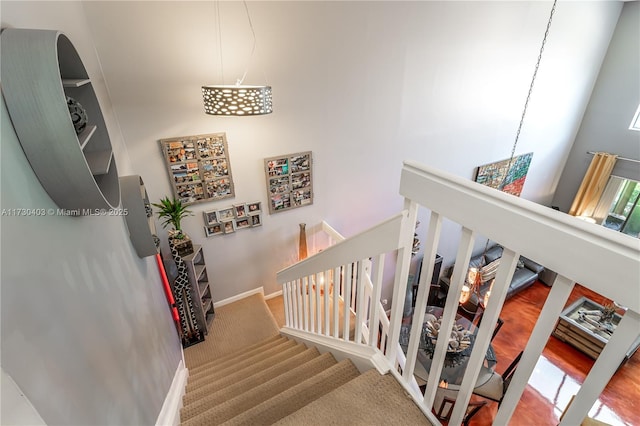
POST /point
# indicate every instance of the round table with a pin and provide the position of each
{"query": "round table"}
(455, 363)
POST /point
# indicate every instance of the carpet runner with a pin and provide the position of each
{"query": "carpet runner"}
(263, 378)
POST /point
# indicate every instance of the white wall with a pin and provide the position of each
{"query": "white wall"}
(364, 85)
(615, 99)
(86, 331)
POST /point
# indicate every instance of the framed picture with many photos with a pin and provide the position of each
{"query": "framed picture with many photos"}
(289, 181)
(199, 167)
(229, 219)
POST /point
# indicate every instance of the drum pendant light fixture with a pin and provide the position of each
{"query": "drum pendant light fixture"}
(238, 99)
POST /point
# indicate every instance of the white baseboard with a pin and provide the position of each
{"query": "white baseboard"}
(170, 412)
(238, 297)
(272, 295)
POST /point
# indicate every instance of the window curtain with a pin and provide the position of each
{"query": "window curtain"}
(593, 184)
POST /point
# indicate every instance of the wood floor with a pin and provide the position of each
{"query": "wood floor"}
(560, 371)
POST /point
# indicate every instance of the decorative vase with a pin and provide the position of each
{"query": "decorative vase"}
(181, 242)
(78, 115)
(302, 246)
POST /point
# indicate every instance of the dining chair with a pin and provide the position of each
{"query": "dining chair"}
(499, 325)
(445, 409)
(497, 328)
(496, 387)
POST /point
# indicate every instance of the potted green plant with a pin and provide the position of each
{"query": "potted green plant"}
(172, 211)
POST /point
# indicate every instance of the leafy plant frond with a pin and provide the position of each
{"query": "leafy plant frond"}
(172, 211)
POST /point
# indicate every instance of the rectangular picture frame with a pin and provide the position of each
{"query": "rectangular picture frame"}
(255, 220)
(213, 229)
(199, 167)
(254, 207)
(226, 214)
(510, 174)
(240, 210)
(210, 217)
(243, 223)
(229, 226)
(289, 180)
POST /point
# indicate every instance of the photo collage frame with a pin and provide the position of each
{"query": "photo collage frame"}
(229, 219)
(289, 181)
(199, 167)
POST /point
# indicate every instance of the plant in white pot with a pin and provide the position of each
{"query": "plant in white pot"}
(172, 211)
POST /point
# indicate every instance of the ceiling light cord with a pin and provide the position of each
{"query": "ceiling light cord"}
(253, 48)
(526, 103)
(236, 99)
(217, 7)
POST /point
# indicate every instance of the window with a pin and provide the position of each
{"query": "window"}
(635, 123)
(623, 213)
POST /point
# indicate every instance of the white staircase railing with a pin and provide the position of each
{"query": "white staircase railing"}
(599, 259)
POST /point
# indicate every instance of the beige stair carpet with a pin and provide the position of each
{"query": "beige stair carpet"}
(217, 397)
(245, 373)
(293, 399)
(260, 393)
(241, 374)
(218, 372)
(236, 325)
(227, 361)
(370, 399)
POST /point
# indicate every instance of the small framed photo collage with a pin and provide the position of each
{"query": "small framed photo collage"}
(229, 219)
(199, 167)
(289, 181)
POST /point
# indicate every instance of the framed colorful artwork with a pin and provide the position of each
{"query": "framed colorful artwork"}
(507, 176)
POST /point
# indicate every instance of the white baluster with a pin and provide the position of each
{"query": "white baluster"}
(360, 310)
(294, 303)
(285, 298)
(337, 278)
(543, 328)
(374, 321)
(346, 302)
(318, 303)
(430, 248)
(448, 316)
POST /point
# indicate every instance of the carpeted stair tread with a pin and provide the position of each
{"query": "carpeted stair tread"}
(369, 399)
(237, 325)
(217, 397)
(292, 399)
(248, 351)
(235, 406)
(244, 370)
(214, 372)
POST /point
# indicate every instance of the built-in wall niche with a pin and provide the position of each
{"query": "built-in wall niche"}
(199, 167)
(58, 120)
(289, 181)
(232, 218)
